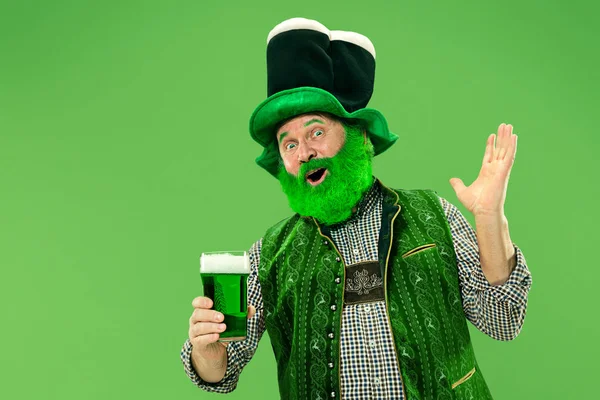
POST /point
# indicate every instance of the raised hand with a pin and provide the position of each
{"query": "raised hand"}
(486, 195)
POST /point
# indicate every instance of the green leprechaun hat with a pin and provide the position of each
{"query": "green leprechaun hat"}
(313, 69)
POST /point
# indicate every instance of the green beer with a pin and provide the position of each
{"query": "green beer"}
(224, 277)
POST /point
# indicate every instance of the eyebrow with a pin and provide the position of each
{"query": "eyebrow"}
(312, 121)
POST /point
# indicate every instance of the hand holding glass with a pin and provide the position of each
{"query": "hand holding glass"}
(224, 278)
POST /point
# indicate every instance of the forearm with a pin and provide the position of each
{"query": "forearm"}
(211, 371)
(496, 250)
(499, 310)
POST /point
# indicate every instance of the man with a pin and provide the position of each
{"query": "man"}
(365, 290)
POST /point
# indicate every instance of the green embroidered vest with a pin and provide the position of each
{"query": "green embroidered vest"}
(302, 277)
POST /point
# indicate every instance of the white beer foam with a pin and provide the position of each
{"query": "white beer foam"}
(224, 263)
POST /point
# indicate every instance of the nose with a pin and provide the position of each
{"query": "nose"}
(306, 153)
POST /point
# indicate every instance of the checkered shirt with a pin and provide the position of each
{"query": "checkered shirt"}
(369, 367)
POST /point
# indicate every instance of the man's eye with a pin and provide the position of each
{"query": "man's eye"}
(290, 146)
(318, 133)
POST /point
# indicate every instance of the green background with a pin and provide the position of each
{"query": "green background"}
(124, 154)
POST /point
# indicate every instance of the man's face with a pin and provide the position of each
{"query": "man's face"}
(306, 137)
(326, 167)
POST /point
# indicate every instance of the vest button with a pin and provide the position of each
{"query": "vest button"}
(330, 365)
(338, 280)
(332, 394)
(325, 242)
(337, 259)
(333, 307)
(330, 335)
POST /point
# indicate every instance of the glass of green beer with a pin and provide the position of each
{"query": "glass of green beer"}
(224, 280)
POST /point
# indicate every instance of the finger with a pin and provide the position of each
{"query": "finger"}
(457, 185)
(203, 315)
(500, 141)
(501, 153)
(512, 151)
(202, 302)
(204, 340)
(251, 311)
(508, 148)
(508, 128)
(489, 149)
(205, 328)
(507, 140)
(496, 142)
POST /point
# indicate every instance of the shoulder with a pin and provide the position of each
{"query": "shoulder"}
(417, 197)
(281, 232)
(283, 224)
(403, 191)
(409, 195)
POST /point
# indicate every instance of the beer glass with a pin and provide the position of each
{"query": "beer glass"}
(224, 278)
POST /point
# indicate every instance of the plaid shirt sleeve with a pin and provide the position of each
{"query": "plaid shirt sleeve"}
(238, 353)
(497, 311)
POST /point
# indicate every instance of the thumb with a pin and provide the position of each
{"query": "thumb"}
(251, 311)
(457, 185)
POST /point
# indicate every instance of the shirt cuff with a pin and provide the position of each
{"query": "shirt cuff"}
(225, 385)
(514, 291)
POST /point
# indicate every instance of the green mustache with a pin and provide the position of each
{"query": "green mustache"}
(313, 164)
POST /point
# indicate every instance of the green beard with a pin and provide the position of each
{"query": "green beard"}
(350, 176)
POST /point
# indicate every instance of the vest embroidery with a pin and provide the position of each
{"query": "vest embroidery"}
(305, 284)
(363, 283)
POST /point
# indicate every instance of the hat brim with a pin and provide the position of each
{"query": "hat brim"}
(293, 102)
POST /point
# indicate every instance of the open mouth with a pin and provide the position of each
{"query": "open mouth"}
(316, 176)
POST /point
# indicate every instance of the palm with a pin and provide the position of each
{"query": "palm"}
(215, 351)
(487, 193)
